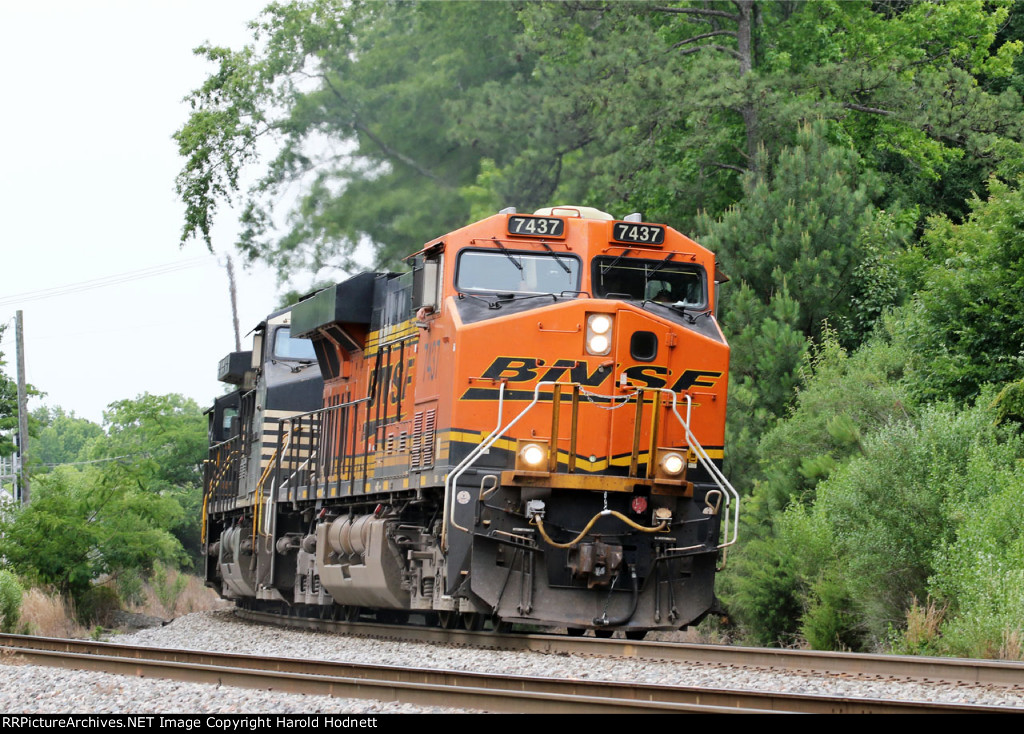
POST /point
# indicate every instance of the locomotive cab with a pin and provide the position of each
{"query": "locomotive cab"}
(274, 380)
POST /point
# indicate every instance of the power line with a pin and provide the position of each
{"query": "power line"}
(99, 461)
(105, 281)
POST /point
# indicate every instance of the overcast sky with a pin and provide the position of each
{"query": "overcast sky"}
(92, 92)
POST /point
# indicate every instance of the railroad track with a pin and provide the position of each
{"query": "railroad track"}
(852, 665)
(425, 687)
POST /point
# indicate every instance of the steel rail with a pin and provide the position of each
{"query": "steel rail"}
(858, 665)
(430, 687)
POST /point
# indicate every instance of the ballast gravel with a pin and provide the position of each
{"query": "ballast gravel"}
(33, 689)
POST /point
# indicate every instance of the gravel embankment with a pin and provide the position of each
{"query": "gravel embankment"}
(34, 689)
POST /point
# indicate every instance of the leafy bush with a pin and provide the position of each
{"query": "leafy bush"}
(10, 601)
(966, 324)
(80, 525)
(980, 573)
(830, 622)
(168, 585)
(768, 583)
(762, 589)
(928, 510)
(130, 587)
(1009, 403)
(922, 634)
(97, 605)
(844, 396)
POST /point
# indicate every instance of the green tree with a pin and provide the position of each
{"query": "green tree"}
(799, 228)
(806, 247)
(60, 437)
(764, 372)
(164, 436)
(352, 94)
(843, 398)
(666, 106)
(157, 444)
(80, 526)
(870, 500)
(132, 497)
(966, 323)
(396, 120)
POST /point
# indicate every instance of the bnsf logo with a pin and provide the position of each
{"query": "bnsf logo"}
(528, 369)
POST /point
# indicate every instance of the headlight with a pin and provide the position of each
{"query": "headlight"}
(598, 344)
(533, 454)
(672, 464)
(600, 323)
(599, 333)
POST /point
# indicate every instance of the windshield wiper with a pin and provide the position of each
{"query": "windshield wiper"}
(658, 267)
(524, 296)
(507, 254)
(303, 362)
(613, 263)
(557, 259)
(647, 279)
(493, 305)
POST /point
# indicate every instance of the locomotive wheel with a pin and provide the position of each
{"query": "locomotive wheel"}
(636, 634)
(472, 622)
(352, 614)
(603, 634)
(576, 631)
(448, 620)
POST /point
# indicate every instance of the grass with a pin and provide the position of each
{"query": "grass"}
(46, 613)
(171, 594)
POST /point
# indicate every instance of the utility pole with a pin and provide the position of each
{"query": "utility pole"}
(19, 329)
(234, 302)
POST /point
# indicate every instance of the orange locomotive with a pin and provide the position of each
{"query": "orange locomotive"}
(526, 428)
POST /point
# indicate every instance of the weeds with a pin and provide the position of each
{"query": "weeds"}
(1013, 645)
(48, 614)
(923, 633)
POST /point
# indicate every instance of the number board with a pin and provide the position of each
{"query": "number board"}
(639, 234)
(536, 226)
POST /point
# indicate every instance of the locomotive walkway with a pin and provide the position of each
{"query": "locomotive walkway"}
(484, 692)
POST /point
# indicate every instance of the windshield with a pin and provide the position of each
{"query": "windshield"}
(517, 272)
(287, 348)
(663, 281)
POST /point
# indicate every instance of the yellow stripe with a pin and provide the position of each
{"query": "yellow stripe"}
(473, 437)
(396, 333)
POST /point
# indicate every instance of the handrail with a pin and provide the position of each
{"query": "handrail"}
(330, 408)
(702, 457)
(257, 510)
(481, 447)
(317, 419)
(449, 480)
(709, 466)
(212, 484)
